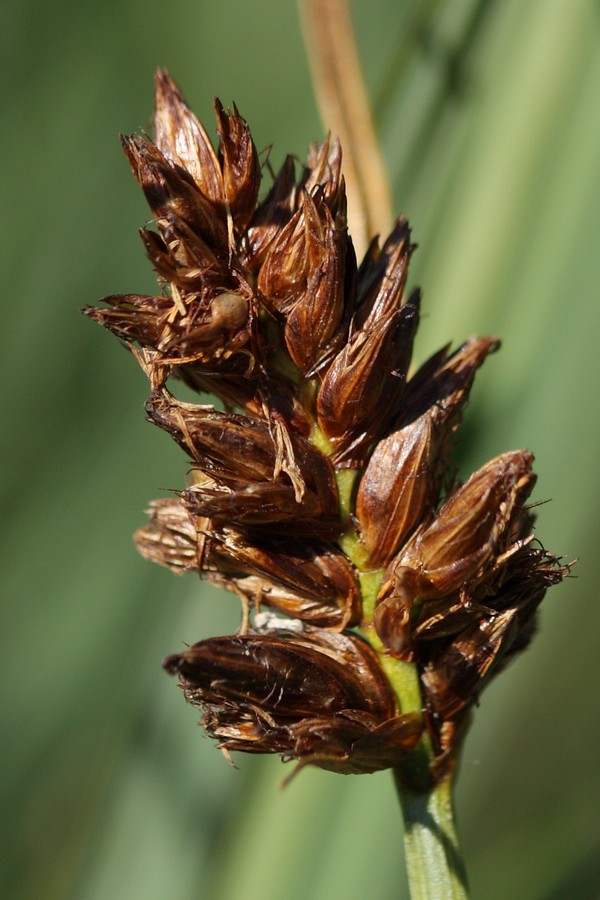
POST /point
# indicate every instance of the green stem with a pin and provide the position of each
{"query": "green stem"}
(436, 870)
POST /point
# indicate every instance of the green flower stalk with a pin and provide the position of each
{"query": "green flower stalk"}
(379, 595)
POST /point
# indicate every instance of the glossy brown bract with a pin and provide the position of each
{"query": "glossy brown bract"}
(262, 304)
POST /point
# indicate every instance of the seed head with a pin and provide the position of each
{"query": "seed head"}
(263, 305)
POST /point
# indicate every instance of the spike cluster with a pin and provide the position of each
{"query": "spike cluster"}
(327, 467)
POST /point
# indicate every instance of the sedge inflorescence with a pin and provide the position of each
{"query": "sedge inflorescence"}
(322, 493)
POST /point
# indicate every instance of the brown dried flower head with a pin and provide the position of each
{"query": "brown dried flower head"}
(327, 472)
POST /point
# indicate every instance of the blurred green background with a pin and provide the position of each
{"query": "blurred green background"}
(489, 118)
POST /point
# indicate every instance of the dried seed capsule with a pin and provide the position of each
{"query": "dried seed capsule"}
(181, 138)
(397, 489)
(310, 581)
(455, 677)
(459, 548)
(170, 190)
(272, 215)
(302, 278)
(471, 528)
(319, 698)
(354, 744)
(260, 469)
(363, 386)
(361, 391)
(307, 580)
(233, 447)
(239, 164)
(400, 486)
